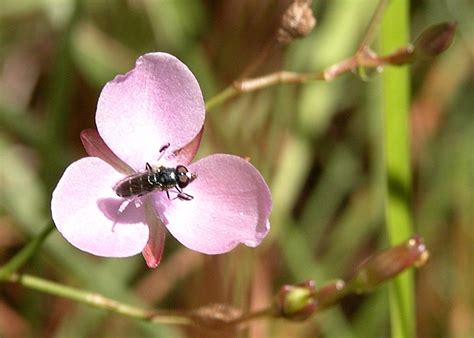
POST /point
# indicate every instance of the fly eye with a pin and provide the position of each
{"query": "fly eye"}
(181, 169)
(183, 179)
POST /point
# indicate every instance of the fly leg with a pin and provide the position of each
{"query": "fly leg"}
(123, 206)
(166, 146)
(163, 150)
(182, 195)
(120, 210)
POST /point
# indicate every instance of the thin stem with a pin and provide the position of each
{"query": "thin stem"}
(374, 24)
(25, 253)
(253, 84)
(328, 74)
(220, 98)
(259, 314)
(99, 301)
(250, 85)
(364, 57)
(379, 268)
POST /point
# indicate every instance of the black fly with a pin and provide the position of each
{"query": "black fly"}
(161, 179)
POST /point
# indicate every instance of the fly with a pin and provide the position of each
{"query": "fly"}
(160, 179)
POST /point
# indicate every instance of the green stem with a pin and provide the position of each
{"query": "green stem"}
(153, 316)
(25, 253)
(396, 106)
(99, 301)
(374, 24)
(259, 314)
(220, 98)
(358, 59)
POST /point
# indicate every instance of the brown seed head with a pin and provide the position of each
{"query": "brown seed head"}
(297, 22)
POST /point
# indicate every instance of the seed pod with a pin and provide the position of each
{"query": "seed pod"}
(297, 22)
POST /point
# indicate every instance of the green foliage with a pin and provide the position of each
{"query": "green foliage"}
(398, 191)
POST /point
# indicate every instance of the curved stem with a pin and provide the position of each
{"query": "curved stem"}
(374, 24)
(259, 314)
(377, 269)
(99, 301)
(363, 57)
(25, 253)
(220, 98)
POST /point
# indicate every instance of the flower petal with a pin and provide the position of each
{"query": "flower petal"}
(91, 217)
(231, 205)
(96, 147)
(153, 250)
(185, 155)
(156, 103)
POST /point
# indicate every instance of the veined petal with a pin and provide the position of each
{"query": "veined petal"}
(231, 205)
(92, 217)
(156, 103)
(96, 147)
(153, 250)
(185, 155)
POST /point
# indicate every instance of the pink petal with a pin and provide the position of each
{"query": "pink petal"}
(185, 155)
(157, 102)
(89, 214)
(231, 205)
(96, 147)
(153, 250)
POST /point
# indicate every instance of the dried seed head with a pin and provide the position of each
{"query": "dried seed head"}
(297, 22)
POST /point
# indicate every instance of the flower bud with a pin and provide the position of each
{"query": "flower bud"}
(296, 302)
(297, 22)
(435, 40)
(389, 263)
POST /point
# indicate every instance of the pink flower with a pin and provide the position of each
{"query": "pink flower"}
(156, 103)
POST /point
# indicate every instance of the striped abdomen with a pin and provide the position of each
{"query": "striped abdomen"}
(136, 185)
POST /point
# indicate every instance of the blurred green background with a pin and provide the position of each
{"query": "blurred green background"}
(318, 145)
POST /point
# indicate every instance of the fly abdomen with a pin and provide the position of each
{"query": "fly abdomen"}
(135, 185)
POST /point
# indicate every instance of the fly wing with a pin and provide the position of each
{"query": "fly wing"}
(133, 185)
